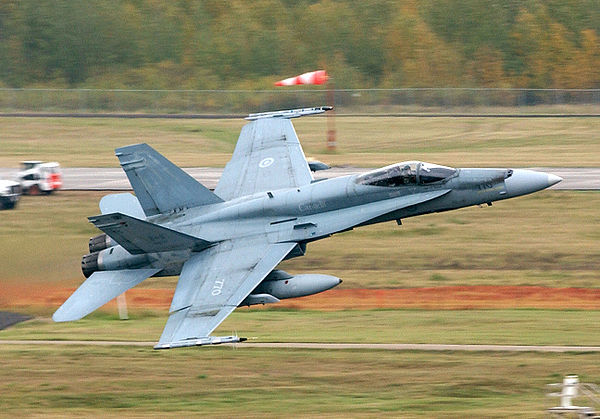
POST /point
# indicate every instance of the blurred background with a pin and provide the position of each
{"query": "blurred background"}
(213, 56)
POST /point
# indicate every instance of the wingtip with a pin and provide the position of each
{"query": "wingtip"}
(159, 346)
(203, 341)
(60, 317)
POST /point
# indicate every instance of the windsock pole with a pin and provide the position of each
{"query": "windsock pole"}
(331, 133)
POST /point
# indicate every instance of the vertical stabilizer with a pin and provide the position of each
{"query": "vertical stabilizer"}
(159, 185)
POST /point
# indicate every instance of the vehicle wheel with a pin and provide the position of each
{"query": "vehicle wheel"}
(34, 190)
(9, 205)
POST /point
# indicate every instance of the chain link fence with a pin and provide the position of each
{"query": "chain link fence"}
(350, 101)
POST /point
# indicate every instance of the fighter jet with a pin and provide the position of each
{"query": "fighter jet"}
(225, 245)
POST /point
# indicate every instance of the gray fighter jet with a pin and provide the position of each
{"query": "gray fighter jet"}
(225, 245)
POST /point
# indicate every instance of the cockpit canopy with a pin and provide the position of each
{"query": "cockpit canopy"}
(406, 173)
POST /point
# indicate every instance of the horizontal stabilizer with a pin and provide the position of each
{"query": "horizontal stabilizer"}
(125, 203)
(138, 236)
(159, 185)
(98, 290)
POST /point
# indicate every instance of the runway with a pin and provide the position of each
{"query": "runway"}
(330, 346)
(8, 319)
(83, 178)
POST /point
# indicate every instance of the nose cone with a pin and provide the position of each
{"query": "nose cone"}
(523, 182)
(553, 179)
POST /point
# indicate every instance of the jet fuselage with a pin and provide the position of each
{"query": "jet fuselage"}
(326, 207)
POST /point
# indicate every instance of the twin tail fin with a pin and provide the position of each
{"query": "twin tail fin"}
(159, 185)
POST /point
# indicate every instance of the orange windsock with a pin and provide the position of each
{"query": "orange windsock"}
(313, 77)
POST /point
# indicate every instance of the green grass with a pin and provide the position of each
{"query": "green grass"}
(362, 141)
(43, 239)
(515, 327)
(222, 382)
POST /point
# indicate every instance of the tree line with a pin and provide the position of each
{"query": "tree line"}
(214, 44)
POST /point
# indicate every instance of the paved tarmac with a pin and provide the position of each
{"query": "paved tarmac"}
(332, 346)
(83, 178)
(8, 319)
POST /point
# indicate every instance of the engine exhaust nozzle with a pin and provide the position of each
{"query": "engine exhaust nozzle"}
(89, 264)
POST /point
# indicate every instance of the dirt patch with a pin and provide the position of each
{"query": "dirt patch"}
(436, 298)
(453, 298)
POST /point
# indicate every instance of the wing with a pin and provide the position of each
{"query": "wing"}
(213, 283)
(267, 156)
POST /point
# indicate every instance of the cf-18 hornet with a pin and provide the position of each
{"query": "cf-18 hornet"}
(225, 245)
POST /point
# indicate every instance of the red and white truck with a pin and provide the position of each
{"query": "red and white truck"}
(37, 177)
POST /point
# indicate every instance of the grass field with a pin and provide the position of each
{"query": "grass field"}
(221, 382)
(510, 327)
(362, 141)
(71, 381)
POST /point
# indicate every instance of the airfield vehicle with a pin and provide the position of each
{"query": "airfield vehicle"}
(10, 193)
(226, 245)
(37, 177)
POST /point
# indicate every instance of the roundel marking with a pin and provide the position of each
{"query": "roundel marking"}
(266, 162)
